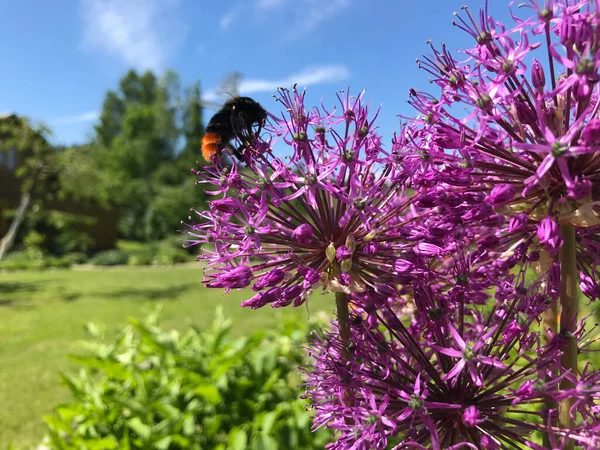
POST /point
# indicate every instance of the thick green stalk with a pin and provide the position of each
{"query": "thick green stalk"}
(550, 318)
(568, 311)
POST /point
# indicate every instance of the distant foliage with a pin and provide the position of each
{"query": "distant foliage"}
(152, 389)
(158, 253)
(145, 143)
(33, 259)
(55, 232)
(109, 258)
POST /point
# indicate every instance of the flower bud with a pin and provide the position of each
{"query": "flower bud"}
(538, 79)
(425, 249)
(525, 114)
(580, 190)
(310, 277)
(501, 194)
(330, 252)
(588, 287)
(548, 234)
(472, 417)
(269, 279)
(403, 266)
(343, 253)
(351, 243)
(263, 298)
(345, 279)
(237, 278)
(591, 133)
(346, 265)
(303, 233)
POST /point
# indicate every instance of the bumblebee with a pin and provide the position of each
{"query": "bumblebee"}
(236, 118)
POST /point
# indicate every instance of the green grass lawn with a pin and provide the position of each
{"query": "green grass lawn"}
(43, 314)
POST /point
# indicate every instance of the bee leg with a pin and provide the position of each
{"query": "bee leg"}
(261, 124)
(236, 152)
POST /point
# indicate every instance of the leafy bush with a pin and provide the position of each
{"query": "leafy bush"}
(55, 232)
(160, 253)
(201, 390)
(109, 258)
(36, 260)
(75, 257)
(167, 254)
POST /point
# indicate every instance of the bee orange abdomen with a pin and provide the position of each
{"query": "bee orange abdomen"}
(211, 144)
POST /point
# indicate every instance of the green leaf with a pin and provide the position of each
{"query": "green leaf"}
(108, 443)
(141, 429)
(208, 392)
(238, 439)
(265, 442)
(163, 444)
(189, 426)
(133, 406)
(266, 422)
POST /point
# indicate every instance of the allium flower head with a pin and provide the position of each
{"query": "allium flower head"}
(452, 375)
(329, 214)
(519, 119)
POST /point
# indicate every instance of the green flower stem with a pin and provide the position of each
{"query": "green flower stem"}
(568, 312)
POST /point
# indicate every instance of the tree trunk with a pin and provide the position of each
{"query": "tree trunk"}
(9, 238)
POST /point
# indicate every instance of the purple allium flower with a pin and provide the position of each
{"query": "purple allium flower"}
(343, 253)
(453, 375)
(331, 214)
(548, 234)
(472, 417)
(518, 120)
(303, 233)
(502, 193)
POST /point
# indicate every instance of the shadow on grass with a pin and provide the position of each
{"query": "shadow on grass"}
(13, 287)
(70, 297)
(7, 290)
(153, 294)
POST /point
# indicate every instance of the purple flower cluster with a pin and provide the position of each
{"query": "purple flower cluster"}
(519, 119)
(456, 371)
(448, 254)
(329, 215)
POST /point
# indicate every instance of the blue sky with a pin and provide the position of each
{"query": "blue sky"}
(61, 57)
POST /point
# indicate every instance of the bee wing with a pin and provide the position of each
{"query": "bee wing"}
(241, 127)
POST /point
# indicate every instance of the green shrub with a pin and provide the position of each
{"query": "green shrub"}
(55, 232)
(200, 390)
(33, 240)
(109, 258)
(75, 257)
(168, 256)
(141, 257)
(160, 253)
(33, 259)
(23, 260)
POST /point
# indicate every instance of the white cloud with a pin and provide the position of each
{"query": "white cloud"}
(139, 32)
(78, 118)
(307, 77)
(230, 17)
(210, 96)
(300, 16)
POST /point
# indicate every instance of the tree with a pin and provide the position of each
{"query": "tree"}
(193, 127)
(138, 145)
(34, 171)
